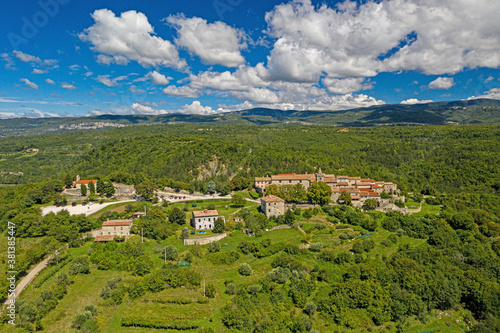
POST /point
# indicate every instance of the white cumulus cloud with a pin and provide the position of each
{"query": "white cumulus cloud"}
(346, 86)
(214, 43)
(107, 81)
(182, 91)
(129, 36)
(362, 40)
(67, 86)
(197, 108)
(411, 101)
(492, 94)
(158, 78)
(29, 84)
(442, 83)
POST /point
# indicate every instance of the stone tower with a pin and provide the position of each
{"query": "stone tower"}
(320, 176)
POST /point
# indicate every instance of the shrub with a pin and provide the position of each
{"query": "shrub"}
(231, 289)
(171, 253)
(316, 247)
(210, 290)
(254, 288)
(310, 308)
(347, 235)
(245, 269)
(214, 247)
(80, 265)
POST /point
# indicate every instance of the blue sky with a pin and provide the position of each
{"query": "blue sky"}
(74, 58)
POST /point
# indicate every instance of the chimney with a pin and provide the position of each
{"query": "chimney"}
(108, 218)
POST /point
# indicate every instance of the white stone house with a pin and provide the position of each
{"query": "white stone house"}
(204, 219)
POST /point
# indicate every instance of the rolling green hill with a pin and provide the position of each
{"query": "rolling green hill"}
(479, 111)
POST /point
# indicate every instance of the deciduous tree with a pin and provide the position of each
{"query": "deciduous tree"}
(319, 193)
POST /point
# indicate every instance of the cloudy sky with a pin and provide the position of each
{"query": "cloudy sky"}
(68, 57)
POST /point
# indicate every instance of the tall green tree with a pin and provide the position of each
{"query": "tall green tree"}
(219, 226)
(211, 187)
(83, 189)
(273, 190)
(100, 186)
(289, 217)
(109, 188)
(178, 216)
(345, 197)
(370, 204)
(91, 187)
(319, 193)
(146, 189)
(68, 180)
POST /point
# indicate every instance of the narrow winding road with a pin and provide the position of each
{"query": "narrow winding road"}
(28, 278)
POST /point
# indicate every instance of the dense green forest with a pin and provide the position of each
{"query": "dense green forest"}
(401, 278)
(449, 159)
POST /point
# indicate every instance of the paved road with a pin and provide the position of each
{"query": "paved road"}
(189, 197)
(79, 209)
(28, 278)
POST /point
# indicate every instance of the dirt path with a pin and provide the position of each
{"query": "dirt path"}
(28, 278)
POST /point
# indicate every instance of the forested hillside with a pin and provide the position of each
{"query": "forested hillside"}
(449, 159)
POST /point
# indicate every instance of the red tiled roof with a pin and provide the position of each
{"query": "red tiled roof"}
(271, 198)
(363, 184)
(262, 179)
(104, 238)
(117, 223)
(376, 186)
(330, 180)
(342, 184)
(205, 213)
(355, 197)
(311, 178)
(373, 194)
(85, 181)
(354, 178)
(348, 190)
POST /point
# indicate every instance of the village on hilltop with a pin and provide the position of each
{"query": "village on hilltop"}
(359, 189)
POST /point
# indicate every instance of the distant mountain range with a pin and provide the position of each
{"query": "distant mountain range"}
(478, 111)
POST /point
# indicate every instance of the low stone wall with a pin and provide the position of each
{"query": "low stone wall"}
(204, 240)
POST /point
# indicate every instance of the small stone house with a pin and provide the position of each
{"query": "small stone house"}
(117, 227)
(204, 219)
(137, 215)
(272, 205)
